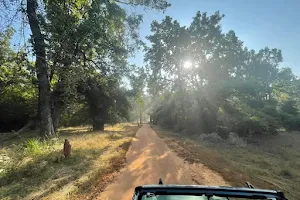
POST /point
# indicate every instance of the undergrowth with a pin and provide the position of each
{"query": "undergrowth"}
(36, 169)
(268, 163)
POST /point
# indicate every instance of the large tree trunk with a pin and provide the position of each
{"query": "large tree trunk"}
(97, 113)
(45, 124)
(58, 104)
(56, 113)
(98, 123)
(98, 116)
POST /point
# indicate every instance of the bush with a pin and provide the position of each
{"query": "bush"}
(289, 107)
(16, 111)
(201, 117)
(271, 111)
(33, 146)
(76, 114)
(234, 139)
(290, 122)
(244, 120)
(289, 115)
(254, 116)
(255, 125)
(212, 137)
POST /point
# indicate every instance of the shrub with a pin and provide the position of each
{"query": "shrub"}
(16, 111)
(212, 137)
(246, 121)
(76, 114)
(33, 146)
(234, 139)
(290, 122)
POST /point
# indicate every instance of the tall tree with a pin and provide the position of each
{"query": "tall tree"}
(138, 84)
(66, 35)
(39, 46)
(102, 34)
(208, 80)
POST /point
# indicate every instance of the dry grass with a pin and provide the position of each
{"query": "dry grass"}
(271, 163)
(37, 170)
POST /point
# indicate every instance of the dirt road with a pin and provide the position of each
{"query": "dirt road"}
(149, 159)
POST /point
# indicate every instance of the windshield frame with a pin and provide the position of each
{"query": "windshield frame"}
(209, 191)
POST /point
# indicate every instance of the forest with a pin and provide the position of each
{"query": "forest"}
(196, 78)
(205, 80)
(66, 79)
(70, 71)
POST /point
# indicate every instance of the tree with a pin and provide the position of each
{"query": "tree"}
(173, 46)
(99, 30)
(78, 36)
(138, 83)
(39, 46)
(208, 81)
(106, 100)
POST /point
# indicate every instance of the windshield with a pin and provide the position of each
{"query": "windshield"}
(189, 197)
(99, 97)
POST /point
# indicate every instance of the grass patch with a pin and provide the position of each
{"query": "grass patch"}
(270, 163)
(34, 169)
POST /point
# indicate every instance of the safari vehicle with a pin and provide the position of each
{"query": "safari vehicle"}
(197, 192)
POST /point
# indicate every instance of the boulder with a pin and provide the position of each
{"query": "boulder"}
(212, 137)
(235, 140)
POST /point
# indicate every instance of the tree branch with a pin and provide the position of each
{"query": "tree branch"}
(127, 3)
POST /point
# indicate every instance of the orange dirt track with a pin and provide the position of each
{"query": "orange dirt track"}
(149, 159)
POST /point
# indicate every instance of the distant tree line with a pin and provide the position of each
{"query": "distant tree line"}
(204, 80)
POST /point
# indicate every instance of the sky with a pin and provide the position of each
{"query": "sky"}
(259, 23)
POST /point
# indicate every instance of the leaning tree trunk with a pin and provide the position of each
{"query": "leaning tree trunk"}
(45, 121)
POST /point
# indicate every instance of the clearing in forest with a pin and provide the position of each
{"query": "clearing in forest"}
(31, 169)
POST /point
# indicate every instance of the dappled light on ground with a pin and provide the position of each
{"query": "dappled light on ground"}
(149, 159)
(269, 162)
(43, 173)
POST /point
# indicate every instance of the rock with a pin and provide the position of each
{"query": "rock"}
(67, 148)
(234, 139)
(212, 137)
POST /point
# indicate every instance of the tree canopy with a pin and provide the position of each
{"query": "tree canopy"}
(209, 81)
(81, 50)
(198, 77)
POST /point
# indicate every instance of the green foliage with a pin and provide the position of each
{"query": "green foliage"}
(90, 48)
(226, 87)
(289, 107)
(107, 101)
(16, 111)
(33, 146)
(75, 114)
(137, 97)
(91, 43)
(289, 114)
(18, 100)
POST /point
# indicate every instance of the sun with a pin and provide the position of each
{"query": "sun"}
(187, 64)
